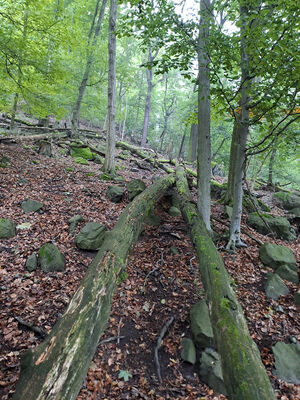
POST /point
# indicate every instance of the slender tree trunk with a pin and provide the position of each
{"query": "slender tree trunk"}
(180, 153)
(193, 144)
(204, 146)
(244, 375)
(242, 138)
(89, 62)
(55, 369)
(109, 162)
(271, 165)
(149, 75)
(232, 163)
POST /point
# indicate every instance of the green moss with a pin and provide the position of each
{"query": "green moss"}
(80, 160)
(91, 173)
(69, 169)
(123, 276)
(82, 152)
(35, 162)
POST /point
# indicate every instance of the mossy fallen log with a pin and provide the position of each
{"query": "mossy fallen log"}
(57, 367)
(244, 374)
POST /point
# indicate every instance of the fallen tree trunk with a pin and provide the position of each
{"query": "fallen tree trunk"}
(32, 137)
(244, 374)
(57, 367)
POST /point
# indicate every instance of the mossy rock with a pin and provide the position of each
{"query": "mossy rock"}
(51, 259)
(280, 226)
(275, 287)
(97, 159)
(31, 262)
(4, 162)
(91, 236)
(73, 222)
(287, 200)
(7, 228)
(274, 255)
(82, 152)
(188, 352)
(115, 193)
(31, 206)
(135, 187)
(80, 160)
(124, 154)
(217, 189)
(152, 219)
(287, 361)
(201, 325)
(211, 372)
(288, 273)
(174, 212)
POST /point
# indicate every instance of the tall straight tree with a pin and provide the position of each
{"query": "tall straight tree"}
(204, 156)
(92, 41)
(109, 162)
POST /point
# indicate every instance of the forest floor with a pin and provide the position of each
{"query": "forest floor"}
(163, 282)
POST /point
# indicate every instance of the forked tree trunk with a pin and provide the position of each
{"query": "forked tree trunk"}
(56, 368)
(244, 375)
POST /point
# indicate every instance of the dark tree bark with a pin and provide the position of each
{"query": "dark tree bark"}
(244, 375)
(56, 368)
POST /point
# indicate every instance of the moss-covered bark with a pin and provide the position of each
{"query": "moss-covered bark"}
(244, 374)
(56, 369)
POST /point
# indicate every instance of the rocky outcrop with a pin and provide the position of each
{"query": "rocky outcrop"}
(91, 236)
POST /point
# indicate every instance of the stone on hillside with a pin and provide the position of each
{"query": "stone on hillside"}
(81, 152)
(80, 160)
(135, 187)
(274, 255)
(91, 236)
(31, 262)
(217, 189)
(31, 205)
(73, 222)
(275, 287)
(51, 259)
(4, 162)
(287, 200)
(287, 361)
(295, 211)
(124, 154)
(7, 228)
(210, 370)
(152, 219)
(201, 325)
(174, 212)
(288, 273)
(297, 298)
(115, 193)
(228, 211)
(280, 226)
(188, 352)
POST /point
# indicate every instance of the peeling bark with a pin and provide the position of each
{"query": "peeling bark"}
(244, 374)
(56, 368)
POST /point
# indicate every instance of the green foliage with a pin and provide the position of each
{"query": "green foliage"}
(124, 374)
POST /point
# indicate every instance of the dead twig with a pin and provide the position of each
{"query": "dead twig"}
(111, 339)
(32, 327)
(119, 328)
(157, 347)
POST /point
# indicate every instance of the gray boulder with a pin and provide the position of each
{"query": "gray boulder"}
(51, 259)
(135, 187)
(174, 212)
(201, 325)
(296, 212)
(31, 263)
(73, 222)
(287, 361)
(287, 200)
(188, 352)
(31, 205)
(7, 228)
(210, 370)
(280, 226)
(115, 193)
(91, 236)
(274, 255)
(275, 287)
(288, 273)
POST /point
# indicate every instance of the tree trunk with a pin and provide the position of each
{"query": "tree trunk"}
(56, 368)
(232, 161)
(149, 74)
(242, 138)
(89, 62)
(203, 153)
(244, 375)
(109, 162)
(193, 144)
(271, 164)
